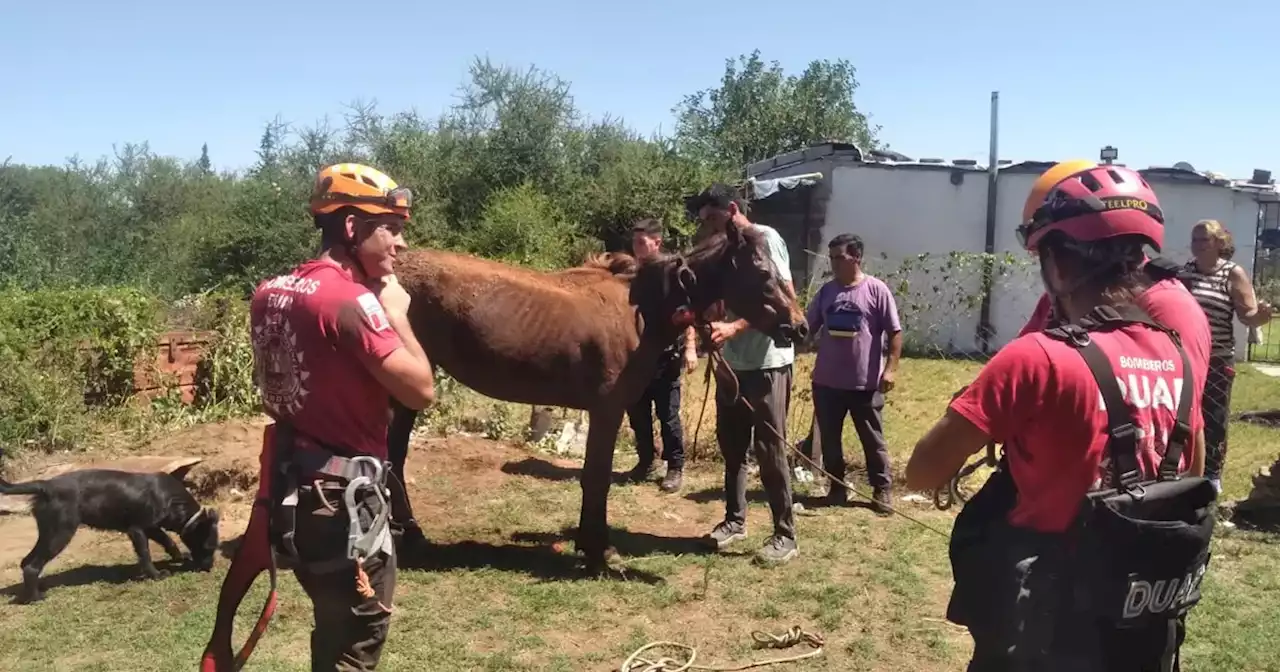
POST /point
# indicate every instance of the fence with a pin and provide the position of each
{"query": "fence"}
(940, 303)
(939, 300)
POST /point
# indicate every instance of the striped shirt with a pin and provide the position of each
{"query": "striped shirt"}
(1212, 291)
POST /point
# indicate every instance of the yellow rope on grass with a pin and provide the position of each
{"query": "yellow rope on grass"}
(636, 663)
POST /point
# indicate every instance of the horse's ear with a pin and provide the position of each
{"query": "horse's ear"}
(685, 276)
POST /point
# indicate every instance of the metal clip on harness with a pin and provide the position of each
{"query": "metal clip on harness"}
(360, 542)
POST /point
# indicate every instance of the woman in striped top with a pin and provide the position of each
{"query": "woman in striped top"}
(1224, 292)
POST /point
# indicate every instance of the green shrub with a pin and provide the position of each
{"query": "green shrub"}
(62, 349)
(523, 226)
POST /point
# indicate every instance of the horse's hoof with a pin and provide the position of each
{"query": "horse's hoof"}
(601, 561)
(27, 597)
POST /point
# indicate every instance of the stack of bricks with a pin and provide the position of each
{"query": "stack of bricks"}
(173, 362)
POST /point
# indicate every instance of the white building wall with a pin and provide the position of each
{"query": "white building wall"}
(904, 211)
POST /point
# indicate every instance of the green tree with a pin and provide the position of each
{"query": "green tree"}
(204, 164)
(522, 226)
(759, 111)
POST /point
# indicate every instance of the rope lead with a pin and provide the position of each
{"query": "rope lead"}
(636, 663)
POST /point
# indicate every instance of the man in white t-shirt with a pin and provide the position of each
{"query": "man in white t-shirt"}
(764, 373)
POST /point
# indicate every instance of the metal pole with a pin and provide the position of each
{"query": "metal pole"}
(985, 329)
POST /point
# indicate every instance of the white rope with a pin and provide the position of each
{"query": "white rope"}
(637, 663)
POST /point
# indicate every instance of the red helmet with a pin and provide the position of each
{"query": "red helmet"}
(1089, 202)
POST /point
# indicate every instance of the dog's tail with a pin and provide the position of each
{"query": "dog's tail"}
(27, 488)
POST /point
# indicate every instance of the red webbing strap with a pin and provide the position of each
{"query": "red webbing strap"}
(254, 556)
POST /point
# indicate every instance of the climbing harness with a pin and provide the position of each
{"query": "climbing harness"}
(637, 663)
(285, 464)
(952, 493)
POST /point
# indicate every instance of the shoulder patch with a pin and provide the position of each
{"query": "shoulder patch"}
(373, 311)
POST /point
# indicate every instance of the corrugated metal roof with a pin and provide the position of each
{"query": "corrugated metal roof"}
(851, 153)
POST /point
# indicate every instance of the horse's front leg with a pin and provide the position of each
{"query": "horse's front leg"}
(597, 474)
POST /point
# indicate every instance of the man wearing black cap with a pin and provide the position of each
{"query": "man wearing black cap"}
(663, 393)
(764, 379)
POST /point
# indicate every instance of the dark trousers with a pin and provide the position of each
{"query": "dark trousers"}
(663, 397)
(830, 406)
(738, 429)
(1216, 405)
(350, 630)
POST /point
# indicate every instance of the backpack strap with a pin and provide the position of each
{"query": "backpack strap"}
(1122, 443)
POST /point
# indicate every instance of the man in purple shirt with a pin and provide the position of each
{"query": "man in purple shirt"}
(850, 317)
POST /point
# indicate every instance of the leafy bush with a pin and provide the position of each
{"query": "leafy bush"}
(62, 348)
(522, 226)
(224, 377)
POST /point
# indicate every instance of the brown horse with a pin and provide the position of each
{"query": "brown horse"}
(585, 338)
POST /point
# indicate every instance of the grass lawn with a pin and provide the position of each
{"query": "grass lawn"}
(498, 592)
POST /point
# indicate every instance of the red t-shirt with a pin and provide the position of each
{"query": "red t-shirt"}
(1167, 302)
(1038, 397)
(310, 327)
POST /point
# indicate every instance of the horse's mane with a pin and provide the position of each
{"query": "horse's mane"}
(626, 267)
(614, 263)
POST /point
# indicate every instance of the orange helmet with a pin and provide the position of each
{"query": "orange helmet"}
(1047, 181)
(361, 187)
(1090, 202)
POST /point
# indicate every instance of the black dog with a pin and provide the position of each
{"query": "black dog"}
(142, 505)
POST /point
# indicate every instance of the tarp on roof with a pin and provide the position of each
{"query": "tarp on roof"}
(759, 189)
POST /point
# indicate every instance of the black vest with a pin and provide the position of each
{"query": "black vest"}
(1112, 591)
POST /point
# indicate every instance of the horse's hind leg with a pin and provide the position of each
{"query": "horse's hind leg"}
(593, 522)
(56, 528)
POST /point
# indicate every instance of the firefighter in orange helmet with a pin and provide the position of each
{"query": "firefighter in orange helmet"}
(331, 342)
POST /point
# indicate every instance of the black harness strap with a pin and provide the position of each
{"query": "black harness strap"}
(1123, 444)
(1128, 567)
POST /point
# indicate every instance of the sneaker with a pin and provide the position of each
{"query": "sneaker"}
(726, 533)
(777, 550)
(882, 501)
(1217, 484)
(673, 480)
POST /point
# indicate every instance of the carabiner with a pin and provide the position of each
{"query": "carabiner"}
(360, 541)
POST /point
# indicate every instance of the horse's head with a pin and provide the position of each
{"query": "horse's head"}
(732, 266)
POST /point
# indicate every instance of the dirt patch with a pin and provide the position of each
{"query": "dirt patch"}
(448, 479)
(469, 465)
(229, 450)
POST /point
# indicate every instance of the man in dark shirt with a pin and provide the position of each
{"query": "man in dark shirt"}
(663, 393)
